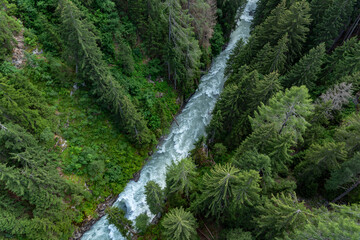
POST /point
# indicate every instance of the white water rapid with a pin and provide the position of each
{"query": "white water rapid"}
(192, 121)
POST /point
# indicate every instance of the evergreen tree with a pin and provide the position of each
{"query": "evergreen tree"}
(179, 177)
(226, 187)
(267, 87)
(349, 133)
(328, 156)
(179, 225)
(252, 160)
(293, 21)
(81, 42)
(154, 197)
(8, 27)
(31, 190)
(347, 173)
(341, 223)
(22, 103)
(305, 72)
(334, 20)
(117, 217)
(233, 106)
(267, 140)
(272, 59)
(238, 234)
(287, 110)
(281, 213)
(184, 51)
(263, 10)
(345, 60)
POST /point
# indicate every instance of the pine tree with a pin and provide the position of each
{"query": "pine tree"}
(349, 133)
(265, 89)
(8, 27)
(281, 213)
(287, 110)
(263, 10)
(272, 59)
(179, 225)
(183, 50)
(226, 187)
(253, 160)
(334, 20)
(305, 72)
(81, 42)
(328, 156)
(347, 173)
(154, 197)
(117, 217)
(179, 177)
(341, 223)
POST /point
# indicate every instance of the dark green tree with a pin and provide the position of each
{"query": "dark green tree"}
(179, 177)
(334, 20)
(282, 213)
(306, 71)
(117, 217)
(80, 39)
(8, 27)
(226, 187)
(341, 223)
(179, 225)
(155, 197)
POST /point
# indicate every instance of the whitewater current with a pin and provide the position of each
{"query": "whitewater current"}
(176, 146)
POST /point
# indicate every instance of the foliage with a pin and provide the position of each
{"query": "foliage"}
(179, 177)
(179, 225)
(281, 213)
(154, 197)
(117, 217)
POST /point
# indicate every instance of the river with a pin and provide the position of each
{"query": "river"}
(192, 122)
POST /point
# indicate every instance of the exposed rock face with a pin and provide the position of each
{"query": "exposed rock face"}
(136, 176)
(87, 223)
(18, 58)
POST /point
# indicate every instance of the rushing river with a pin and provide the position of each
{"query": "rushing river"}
(192, 121)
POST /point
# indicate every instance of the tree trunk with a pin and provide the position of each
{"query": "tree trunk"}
(347, 191)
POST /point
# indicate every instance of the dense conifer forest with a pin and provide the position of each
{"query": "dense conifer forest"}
(89, 87)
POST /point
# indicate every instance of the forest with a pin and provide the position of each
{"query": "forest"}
(88, 89)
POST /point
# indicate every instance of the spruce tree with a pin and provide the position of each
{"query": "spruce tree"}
(334, 20)
(179, 177)
(179, 225)
(226, 187)
(340, 223)
(287, 110)
(155, 197)
(272, 59)
(349, 133)
(183, 49)
(306, 71)
(347, 173)
(282, 213)
(84, 52)
(8, 27)
(117, 217)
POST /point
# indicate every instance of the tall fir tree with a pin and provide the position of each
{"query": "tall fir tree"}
(334, 20)
(155, 197)
(179, 225)
(306, 71)
(84, 52)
